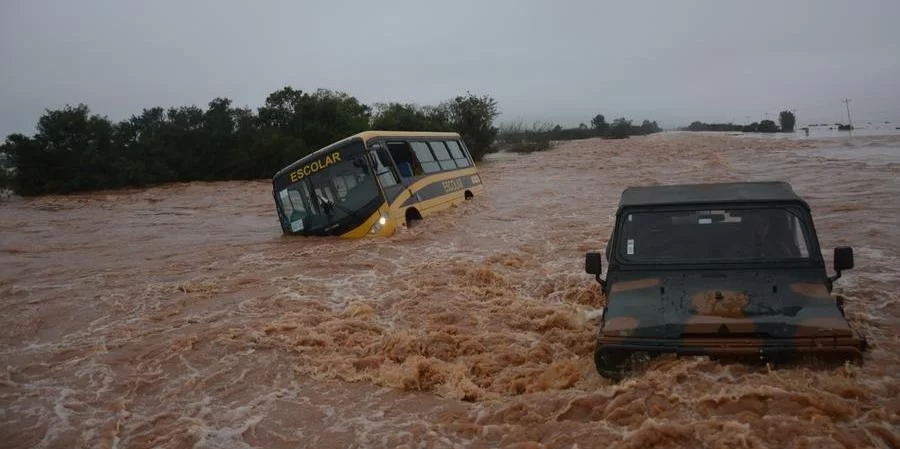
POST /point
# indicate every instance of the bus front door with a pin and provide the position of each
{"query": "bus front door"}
(392, 184)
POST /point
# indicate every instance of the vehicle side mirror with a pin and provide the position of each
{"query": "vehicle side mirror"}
(843, 258)
(593, 263)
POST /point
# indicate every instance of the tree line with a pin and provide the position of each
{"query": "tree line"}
(515, 137)
(786, 119)
(75, 150)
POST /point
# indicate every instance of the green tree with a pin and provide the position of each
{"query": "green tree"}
(6, 169)
(317, 119)
(71, 151)
(620, 128)
(473, 118)
(648, 127)
(142, 152)
(409, 117)
(327, 116)
(751, 128)
(599, 124)
(787, 121)
(75, 150)
(767, 126)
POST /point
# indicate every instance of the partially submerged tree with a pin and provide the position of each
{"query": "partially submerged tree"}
(620, 129)
(599, 124)
(767, 126)
(473, 118)
(787, 121)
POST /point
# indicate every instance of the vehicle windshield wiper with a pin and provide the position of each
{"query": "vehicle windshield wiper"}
(331, 205)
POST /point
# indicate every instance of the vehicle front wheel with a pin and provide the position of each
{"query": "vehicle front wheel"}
(611, 363)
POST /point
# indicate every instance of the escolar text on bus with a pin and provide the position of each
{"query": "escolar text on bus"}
(452, 185)
(315, 166)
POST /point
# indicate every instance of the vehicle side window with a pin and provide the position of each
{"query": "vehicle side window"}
(442, 155)
(384, 171)
(457, 153)
(799, 236)
(426, 159)
(403, 157)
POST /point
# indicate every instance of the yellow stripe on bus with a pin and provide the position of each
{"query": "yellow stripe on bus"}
(428, 180)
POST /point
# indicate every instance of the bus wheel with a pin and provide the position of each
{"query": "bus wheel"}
(468, 195)
(412, 216)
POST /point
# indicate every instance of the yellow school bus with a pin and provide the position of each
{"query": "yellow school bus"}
(372, 183)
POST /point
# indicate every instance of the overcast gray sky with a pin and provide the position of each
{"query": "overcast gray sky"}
(559, 61)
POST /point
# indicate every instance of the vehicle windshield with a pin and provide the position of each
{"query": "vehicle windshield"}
(723, 235)
(335, 189)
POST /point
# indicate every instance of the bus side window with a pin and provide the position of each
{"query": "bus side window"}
(403, 157)
(457, 153)
(383, 166)
(442, 155)
(426, 159)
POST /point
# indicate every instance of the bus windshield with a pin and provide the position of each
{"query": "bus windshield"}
(330, 192)
(723, 235)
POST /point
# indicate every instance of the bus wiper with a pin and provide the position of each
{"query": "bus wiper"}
(331, 205)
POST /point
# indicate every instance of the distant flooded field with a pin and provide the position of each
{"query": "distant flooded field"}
(179, 316)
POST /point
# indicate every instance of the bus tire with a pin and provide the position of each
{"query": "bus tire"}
(412, 217)
(468, 195)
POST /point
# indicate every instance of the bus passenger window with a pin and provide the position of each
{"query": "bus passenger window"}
(403, 157)
(442, 155)
(458, 155)
(426, 159)
(383, 170)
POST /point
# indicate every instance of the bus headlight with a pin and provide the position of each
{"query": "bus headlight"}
(382, 220)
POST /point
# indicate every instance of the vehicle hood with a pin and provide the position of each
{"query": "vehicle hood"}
(723, 304)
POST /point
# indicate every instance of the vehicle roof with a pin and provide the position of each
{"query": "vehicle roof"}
(365, 136)
(707, 193)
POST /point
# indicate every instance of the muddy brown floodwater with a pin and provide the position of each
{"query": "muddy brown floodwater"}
(178, 316)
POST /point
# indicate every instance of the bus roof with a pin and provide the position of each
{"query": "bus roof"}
(365, 136)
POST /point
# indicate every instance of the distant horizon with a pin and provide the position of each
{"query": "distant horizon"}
(564, 120)
(669, 62)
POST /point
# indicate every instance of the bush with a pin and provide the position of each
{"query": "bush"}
(767, 126)
(515, 138)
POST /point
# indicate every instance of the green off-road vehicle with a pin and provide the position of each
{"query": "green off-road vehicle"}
(727, 270)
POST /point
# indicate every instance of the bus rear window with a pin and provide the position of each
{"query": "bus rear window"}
(426, 159)
(457, 153)
(443, 156)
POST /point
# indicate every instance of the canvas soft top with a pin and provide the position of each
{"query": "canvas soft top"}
(710, 193)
